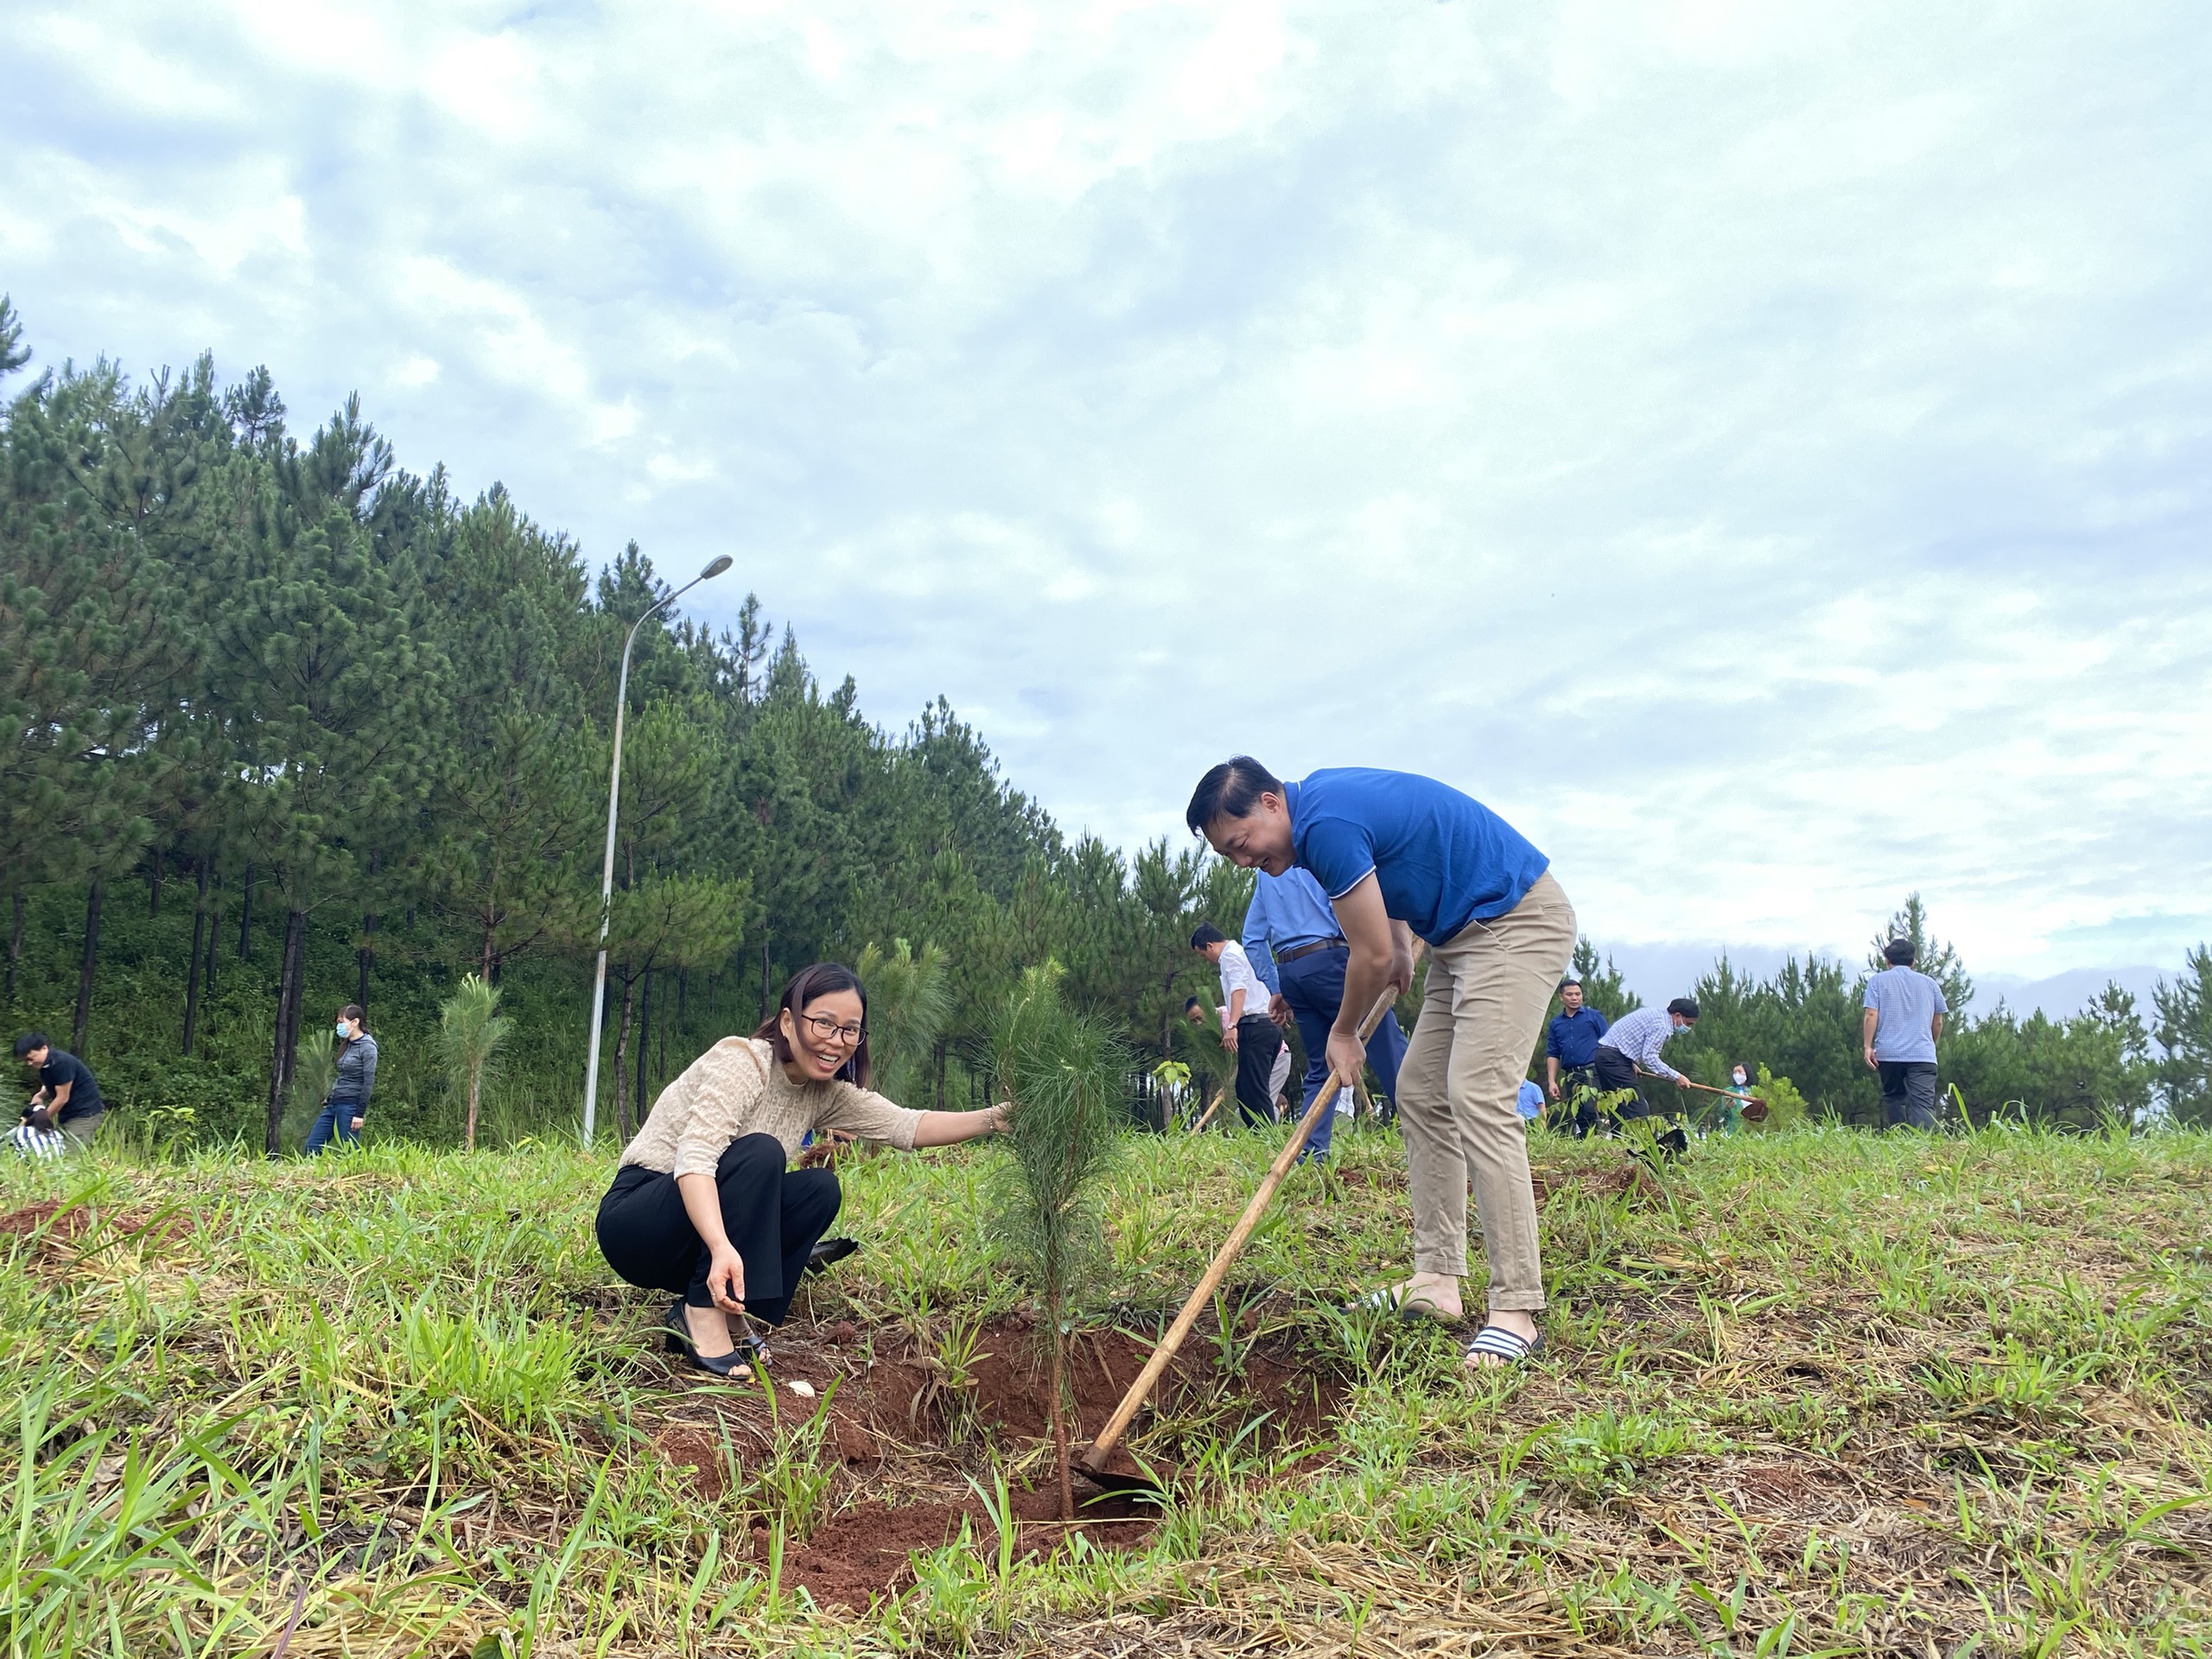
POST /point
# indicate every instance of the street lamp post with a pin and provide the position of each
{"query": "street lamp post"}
(606, 875)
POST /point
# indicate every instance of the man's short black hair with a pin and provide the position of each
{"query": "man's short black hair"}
(30, 1042)
(1206, 933)
(1685, 1005)
(1899, 953)
(1574, 979)
(1231, 790)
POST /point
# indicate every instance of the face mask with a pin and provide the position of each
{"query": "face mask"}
(342, 1031)
(1739, 1074)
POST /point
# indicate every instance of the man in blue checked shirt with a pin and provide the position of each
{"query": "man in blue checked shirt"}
(1292, 937)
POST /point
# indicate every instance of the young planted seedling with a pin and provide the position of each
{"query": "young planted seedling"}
(470, 1032)
(1065, 1075)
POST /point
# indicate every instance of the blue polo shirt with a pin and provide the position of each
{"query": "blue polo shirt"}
(1571, 1039)
(1442, 859)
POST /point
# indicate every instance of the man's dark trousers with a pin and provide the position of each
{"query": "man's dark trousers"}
(1908, 1094)
(1584, 1110)
(1258, 1042)
(1314, 986)
(1616, 1071)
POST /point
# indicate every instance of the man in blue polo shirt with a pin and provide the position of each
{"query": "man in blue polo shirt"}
(1290, 934)
(1570, 1049)
(1399, 855)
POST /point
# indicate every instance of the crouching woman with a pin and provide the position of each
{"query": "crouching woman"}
(707, 1204)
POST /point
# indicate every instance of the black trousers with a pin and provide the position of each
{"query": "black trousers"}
(1616, 1071)
(1577, 1092)
(1908, 1094)
(1258, 1042)
(773, 1215)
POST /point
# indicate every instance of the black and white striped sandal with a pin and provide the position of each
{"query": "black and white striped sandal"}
(1508, 1347)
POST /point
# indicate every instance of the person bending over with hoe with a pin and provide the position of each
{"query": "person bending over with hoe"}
(706, 1205)
(1632, 1045)
(1400, 855)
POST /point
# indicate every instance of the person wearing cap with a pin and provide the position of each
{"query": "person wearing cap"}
(1904, 1018)
(1633, 1046)
(1246, 1031)
(1293, 944)
(1400, 855)
(1571, 1052)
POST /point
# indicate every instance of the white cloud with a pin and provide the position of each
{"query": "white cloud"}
(1761, 449)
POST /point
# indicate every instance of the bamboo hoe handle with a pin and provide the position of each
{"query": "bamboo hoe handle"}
(1139, 1390)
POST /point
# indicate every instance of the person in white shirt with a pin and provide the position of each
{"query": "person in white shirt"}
(1195, 1011)
(1247, 1031)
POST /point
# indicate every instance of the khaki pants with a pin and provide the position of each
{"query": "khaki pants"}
(1488, 987)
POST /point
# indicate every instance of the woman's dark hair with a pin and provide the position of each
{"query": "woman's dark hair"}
(356, 1013)
(1231, 790)
(1685, 1005)
(810, 985)
(1191, 1002)
(1750, 1072)
(1206, 933)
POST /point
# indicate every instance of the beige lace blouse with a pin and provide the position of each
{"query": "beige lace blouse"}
(737, 1088)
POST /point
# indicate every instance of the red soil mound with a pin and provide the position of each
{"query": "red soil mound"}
(865, 1552)
(903, 1395)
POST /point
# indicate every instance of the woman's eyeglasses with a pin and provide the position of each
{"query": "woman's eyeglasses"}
(827, 1030)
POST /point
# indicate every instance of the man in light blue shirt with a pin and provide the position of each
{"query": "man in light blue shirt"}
(1292, 937)
(1904, 1018)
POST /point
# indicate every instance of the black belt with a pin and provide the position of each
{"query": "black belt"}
(1308, 949)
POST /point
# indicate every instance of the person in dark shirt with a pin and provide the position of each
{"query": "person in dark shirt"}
(67, 1096)
(353, 1079)
(1570, 1049)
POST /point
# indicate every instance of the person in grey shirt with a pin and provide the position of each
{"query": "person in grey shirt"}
(346, 1108)
(1904, 1016)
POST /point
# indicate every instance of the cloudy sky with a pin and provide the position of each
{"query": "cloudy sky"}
(1760, 450)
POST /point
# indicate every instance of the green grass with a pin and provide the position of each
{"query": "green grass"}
(1831, 1394)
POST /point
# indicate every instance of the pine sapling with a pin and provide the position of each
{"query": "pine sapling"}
(471, 1031)
(1065, 1075)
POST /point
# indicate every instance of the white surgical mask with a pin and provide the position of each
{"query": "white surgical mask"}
(1739, 1074)
(341, 1029)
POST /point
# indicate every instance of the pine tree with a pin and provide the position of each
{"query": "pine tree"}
(1065, 1077)
(2184, 1030)
(332, 699)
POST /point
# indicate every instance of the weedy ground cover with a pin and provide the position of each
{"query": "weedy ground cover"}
(1821, 1393)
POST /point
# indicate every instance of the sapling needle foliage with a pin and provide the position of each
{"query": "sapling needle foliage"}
(1063, 1075)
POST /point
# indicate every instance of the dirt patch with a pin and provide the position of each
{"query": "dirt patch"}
(906, 1394)
(866, 1551)
(1596, 1183)
(89, 1229)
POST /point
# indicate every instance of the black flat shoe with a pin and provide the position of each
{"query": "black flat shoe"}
(830, 1250)
(737, 1365)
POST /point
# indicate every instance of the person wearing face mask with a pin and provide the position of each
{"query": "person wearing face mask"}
(708, 1204)
(1728, 1115)
(353, 1081)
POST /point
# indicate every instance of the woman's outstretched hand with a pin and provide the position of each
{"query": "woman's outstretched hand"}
(726, 1280)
